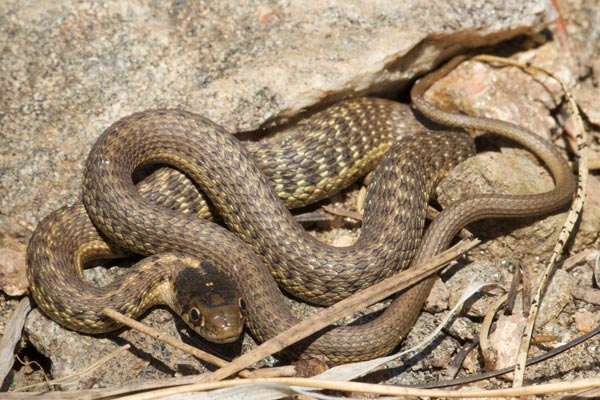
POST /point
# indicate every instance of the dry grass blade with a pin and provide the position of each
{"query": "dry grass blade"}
(571, 220)
(596, 256)
(247, 386)
(209, 358)
(273, 372)
(103, 393)
(12, 334)
(343, 212)
(202, 355)
(487, 324)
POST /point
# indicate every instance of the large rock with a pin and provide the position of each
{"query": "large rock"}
(70, 70)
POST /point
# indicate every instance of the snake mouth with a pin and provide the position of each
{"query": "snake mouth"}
(223, 339)
(221, 333)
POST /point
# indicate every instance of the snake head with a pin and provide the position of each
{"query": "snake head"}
(209, 304)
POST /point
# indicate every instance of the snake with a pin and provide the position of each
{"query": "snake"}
(245, 184)
(66, 240)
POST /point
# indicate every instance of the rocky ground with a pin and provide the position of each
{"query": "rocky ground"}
(70, 70)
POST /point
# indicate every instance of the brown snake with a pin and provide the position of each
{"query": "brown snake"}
(247, 201)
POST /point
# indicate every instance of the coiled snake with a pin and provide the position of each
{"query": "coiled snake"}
(243, 184)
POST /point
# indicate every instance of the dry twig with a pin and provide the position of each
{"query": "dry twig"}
(377, 389)
(342, 212)
(132, 323)
(571, 219)
(202, 355)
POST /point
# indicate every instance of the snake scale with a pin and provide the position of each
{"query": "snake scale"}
(245, 183)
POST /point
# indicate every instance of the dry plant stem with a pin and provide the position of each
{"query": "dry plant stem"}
(164, 338)
(11, 336)
(342, 212)
(573, 386)
(286, 370)
(526, 289)
(456, 364)
(575, 259)
(350, 305)
(484, 331)
(571, 220)
(202, 355)
(596, 267)
(379, 389)
(104, 393)
(513, 291)
(361, 199)
(314, 216)
(491, 374)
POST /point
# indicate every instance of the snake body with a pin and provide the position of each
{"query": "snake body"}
(306, 268)
(65, 240)
(233, 177)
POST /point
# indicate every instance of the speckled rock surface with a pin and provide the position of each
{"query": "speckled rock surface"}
(70, 70)
(13, 243)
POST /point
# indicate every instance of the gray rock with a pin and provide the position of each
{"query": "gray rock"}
(13, 243)
(72, 70)
(456, 280)
(464, 329)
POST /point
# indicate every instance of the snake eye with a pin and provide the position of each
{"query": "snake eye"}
(242, 305)
(194, 315)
